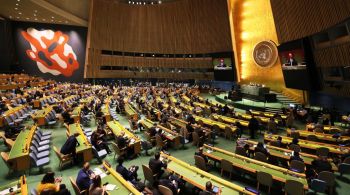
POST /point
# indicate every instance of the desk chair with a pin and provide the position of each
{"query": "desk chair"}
(226, 166)
(164, 190)
(293, 187)
(148, 174)
(322, 151)
(295, 134)
(260, 157)
(36, 162)
(240, 151)
(39, 154)
(76, 188)
(312, 138)
(228, 133)
(318, 186)
(298, 166)
(344, 168)
(64, 159)
(294, 147)
(329, 178)
(200, 163)
(264, 179)
(99, 154)
(160, 143)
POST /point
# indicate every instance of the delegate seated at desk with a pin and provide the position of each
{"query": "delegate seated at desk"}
(69, 147)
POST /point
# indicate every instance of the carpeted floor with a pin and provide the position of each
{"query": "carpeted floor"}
(59, 137)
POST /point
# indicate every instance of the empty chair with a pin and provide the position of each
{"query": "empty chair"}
(329, 178)
(344, 168)
(41, 142)
(318, 186)
(160, 143)
(76, 188)
(240, 151)
(40, 148)
(99, 154)
(322, 151)
(9, 121)
(16, 120)
(293, 187)
(18, 114)
(164, 190)
(48, 137)
(200, 163)
(297, 166)
(38, 162)
(44, 133)
(312, 138)
(64, 159)
(148, 174)
(196, 141)
(48, 122)
(260, 157)
(39, 154)
(264, 179)
(228, 133)
(226, 166)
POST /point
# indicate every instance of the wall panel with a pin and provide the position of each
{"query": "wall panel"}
(296, 19)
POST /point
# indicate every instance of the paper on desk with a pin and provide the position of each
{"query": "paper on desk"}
(7, 191)
(110, 187)
(98, 171)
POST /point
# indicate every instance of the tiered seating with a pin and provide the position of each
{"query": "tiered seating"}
(46, 116)
(15, 116)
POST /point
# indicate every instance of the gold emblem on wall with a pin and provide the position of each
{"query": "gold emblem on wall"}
(265, 54)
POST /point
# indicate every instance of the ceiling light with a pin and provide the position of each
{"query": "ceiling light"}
(10, 16)
(18, 0)
(17, 4)
(35, 18)
(34, 14)
(35, 11)
(51, 20)
(66, 21)
(16, 8)
(44, 19)
(20, 13)
(17, 17)
(52, 17)
(27, 18)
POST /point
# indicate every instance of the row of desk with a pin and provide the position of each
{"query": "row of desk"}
(309, 146)
(19, 154)
(18, 187)
(250, 165)
(198, 178)
(321, 137)
(40, 115)
(85, 147)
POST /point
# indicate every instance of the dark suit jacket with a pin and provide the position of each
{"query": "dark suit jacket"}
(156, 165)
(69, 146)
(121, 141)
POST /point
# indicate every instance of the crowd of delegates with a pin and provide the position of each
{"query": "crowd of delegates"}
(144, 97)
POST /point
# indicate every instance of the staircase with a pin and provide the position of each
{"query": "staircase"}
(284, 100)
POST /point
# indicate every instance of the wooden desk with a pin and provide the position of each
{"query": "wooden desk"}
(19, 154)
(84, 148)
(76, 114)
(198, 178)
(261, 118)
(230, 120)
(19, 187)
(285, 154)
(326, 138)
(211, 123)
(131, 113)
(308, 145)
(250, 165)
(266, 114)
(117, 128)
(8, 113)
(171, 136)
(122, 186)
(326, 128)
(40, 115)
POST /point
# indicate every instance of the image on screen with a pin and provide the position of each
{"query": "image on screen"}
(222, 63)
(293, 59)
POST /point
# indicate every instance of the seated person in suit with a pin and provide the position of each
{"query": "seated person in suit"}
(128, 174)
(209, 189)
(98, 142)
(317, 166)
(153, 131)
(200, 153)
(123, 142)
(260, 148)
(172, 183)
(156, 165)
(296, 156)
(70, 145)
(85, 176)
(295, 141)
